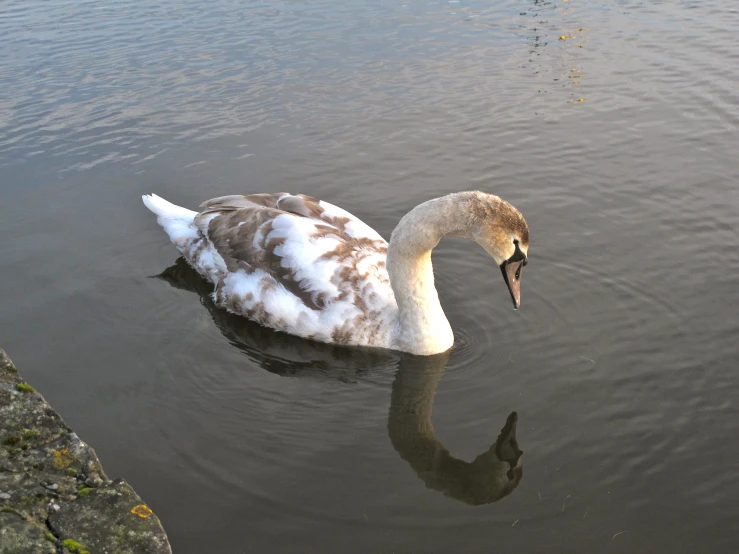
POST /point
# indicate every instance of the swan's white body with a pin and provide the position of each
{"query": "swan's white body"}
(308, 268)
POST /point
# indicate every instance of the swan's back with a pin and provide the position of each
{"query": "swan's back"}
(290, 262)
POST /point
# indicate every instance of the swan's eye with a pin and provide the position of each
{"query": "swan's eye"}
(518, 255)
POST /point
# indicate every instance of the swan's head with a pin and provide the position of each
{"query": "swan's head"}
(503, 233)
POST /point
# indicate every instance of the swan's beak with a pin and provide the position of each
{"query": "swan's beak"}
(512, 275)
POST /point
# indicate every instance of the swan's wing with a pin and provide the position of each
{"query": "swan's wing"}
(300, 265)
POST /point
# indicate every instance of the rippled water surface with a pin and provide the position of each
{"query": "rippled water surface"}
(612, 125)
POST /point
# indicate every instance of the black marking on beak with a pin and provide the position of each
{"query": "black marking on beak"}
(511, 269)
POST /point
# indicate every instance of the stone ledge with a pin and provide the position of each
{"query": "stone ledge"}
(54, 495)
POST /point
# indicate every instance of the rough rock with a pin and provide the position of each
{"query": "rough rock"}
(18, 535)
(111, 518)
(44, 508)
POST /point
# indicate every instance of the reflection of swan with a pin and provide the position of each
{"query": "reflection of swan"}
(488, 478)
(299, 265)
(491, 476)
(277, 352)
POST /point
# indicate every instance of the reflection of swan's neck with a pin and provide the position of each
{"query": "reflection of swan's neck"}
(411, 404)
(422, 326)
(490, 477)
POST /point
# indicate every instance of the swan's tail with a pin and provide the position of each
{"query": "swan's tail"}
(178, 222)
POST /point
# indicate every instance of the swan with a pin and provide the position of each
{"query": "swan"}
(306, 267)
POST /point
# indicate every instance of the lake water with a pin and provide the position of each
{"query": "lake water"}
(611, 125)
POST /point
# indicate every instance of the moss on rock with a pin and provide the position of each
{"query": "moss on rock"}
(12, 440)
(24, 387)
(31, 434)
(74, 547)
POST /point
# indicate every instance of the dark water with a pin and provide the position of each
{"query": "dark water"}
(622, 364)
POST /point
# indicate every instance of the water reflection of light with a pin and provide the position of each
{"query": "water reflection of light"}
(560, 25)
(574, 39)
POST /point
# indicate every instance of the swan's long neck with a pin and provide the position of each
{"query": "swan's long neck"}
(422, 326)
